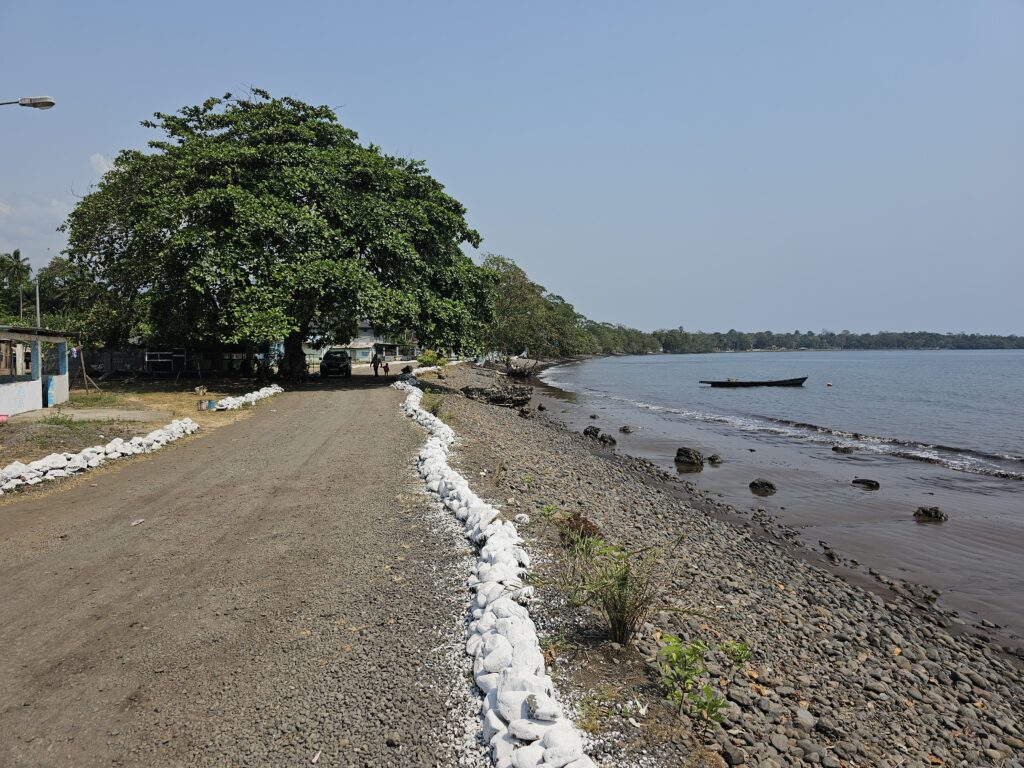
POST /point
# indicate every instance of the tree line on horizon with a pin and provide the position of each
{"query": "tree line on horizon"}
(261, 219)
(680, 341)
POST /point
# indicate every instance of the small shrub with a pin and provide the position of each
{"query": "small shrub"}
(432, 404)
(617, 582)
(57, 419)
(622, 587)
(734, 651)
(577, 524)
(706, 707)
(431, 358)
(682, 667)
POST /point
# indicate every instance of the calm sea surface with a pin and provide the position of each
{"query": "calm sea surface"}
(933, 428)
(964, 410)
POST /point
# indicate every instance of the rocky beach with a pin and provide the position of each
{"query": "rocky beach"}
(839, 668)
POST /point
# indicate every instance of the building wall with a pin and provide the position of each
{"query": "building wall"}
(56, 389)
(22, 395)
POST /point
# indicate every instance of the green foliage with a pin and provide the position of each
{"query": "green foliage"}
(619, 583)
(706, 706)
(433, 404)
(17, 294)
(263, 218)
(431, 358)
(682, 667)
(526, 317)
(57, 419)
(679, 340)
(737, 652)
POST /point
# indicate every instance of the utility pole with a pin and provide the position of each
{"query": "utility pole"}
(39, 322)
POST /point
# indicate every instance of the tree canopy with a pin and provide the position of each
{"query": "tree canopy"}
(526, 317)
(264, 218)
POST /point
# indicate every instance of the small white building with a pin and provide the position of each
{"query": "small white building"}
(29, 378)
(368, 341)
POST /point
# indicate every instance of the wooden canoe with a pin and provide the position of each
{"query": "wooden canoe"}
(777, 383)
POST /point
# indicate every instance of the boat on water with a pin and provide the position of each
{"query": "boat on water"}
(777, 383)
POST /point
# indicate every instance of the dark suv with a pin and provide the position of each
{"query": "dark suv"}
(336, 363)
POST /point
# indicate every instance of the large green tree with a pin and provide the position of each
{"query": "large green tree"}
(263, 218)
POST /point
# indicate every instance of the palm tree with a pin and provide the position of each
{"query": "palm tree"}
(16, 271)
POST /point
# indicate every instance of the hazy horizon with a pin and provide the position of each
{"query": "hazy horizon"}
(745, 165)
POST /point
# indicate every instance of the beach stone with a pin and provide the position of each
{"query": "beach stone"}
(803, 719)
(714, 459)
(762, 487)
(869, 485)
(842, 449)
(733, 754)
(593, 432)
(606, 439)
(930, 515)
(625, 429)
(690, 457)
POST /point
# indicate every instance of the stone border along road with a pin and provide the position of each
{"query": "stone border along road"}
(522, 722)
(58, 465)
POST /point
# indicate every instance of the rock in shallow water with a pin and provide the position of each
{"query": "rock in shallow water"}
(690, 457)
(930, 515)
(869, 485)
(762, 487)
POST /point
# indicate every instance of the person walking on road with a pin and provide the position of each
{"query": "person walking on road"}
(375, 362)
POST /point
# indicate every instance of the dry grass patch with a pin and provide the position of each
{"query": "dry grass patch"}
(57, 433)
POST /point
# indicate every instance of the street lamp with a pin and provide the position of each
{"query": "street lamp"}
(36, 102)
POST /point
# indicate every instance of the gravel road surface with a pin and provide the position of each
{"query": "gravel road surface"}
(290, 599)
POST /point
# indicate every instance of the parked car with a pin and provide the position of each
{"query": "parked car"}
(336, 362)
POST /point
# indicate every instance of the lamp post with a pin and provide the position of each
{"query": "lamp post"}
(36, 102)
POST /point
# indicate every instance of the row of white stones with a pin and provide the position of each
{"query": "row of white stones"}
(58, 465)
(234, 403)
(522, 722)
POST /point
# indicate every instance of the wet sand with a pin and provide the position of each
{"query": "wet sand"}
(973, 559)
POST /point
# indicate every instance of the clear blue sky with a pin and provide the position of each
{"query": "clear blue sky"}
(753, 165)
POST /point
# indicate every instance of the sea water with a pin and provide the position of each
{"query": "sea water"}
(963, 409)
(934, 428)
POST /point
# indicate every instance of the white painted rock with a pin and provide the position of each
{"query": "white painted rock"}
(529, 730)
(529, 756)
(542, 708)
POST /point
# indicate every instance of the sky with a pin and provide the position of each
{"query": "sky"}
(715, 165)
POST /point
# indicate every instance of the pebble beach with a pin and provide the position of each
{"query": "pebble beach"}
(842, 671)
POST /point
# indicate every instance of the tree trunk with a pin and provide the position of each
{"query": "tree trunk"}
(294, 363)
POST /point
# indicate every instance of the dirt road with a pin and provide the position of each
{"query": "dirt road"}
(290, 593)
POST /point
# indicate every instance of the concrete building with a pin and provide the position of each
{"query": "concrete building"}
(33, 369)
(368, 341)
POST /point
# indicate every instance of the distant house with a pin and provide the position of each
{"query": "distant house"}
(368, 341)
(33, 369)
